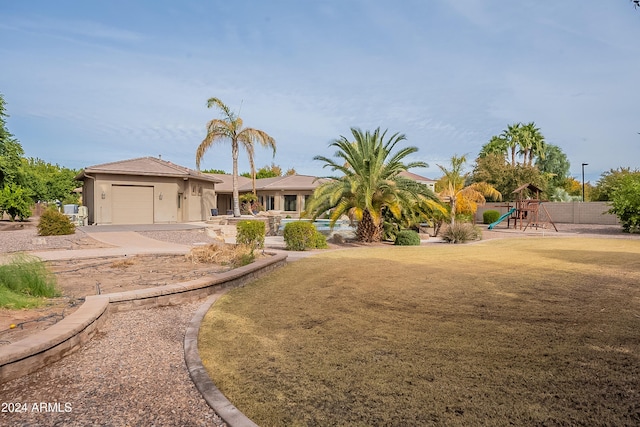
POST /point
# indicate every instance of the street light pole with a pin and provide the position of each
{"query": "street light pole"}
(583, 165)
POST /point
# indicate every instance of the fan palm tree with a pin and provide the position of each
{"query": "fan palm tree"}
(459, 195)
(496, 145)
(370, 184)
(230, 128)
(532, 143)
(511, 135)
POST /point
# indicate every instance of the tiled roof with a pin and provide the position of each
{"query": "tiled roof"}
(226, 182)
(148, 166)
(415, 177)
(287, 182)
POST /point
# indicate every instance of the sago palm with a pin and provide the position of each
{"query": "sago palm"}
(369, 183)
(230, 128)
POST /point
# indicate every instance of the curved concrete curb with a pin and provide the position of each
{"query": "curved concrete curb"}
(214, 397)
(52, 344)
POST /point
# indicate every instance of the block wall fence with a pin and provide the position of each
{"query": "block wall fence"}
(565, 212)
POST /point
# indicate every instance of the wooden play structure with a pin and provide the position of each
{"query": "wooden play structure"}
(528, 211)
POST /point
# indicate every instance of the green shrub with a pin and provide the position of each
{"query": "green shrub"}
(23, 280)
(320, 241)
(54, 223)
(407, 238)
(490, 216)
(461, 232)
(251, 233)
(625, 203)
(302, 235)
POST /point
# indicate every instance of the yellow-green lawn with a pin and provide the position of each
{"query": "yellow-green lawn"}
(532, 331)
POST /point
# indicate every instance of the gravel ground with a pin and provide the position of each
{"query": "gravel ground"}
(28, 239)
(132, 373)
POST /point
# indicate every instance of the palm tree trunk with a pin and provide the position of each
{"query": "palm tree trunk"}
(368, 231)
(236, 197)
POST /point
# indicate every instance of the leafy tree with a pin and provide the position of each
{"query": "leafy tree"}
(15, 201)
(48, 182)
(505, 178)
(609, 181)
(625, 202)
(10, 152)
(265, 172)
(463, 198)
(290, 171)
(230, 128)
(555, 165)
(370, 184)
(218, 171)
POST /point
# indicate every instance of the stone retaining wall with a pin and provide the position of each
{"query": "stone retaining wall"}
(68, 335)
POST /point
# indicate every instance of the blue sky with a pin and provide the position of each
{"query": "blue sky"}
(93, 82)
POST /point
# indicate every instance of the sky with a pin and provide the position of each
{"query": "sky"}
(89, 82)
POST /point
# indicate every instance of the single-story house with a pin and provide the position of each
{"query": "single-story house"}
(146, 190)
(150, 190)
(283, 194)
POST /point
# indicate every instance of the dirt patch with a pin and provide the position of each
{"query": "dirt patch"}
(79, 278)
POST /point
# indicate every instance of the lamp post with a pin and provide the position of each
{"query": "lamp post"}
(583, 165)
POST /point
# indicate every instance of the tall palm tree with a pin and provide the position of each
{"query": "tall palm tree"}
(230, 128)
(454, 189)
(532, 143)
(496, 145)
(511, 135)
(370, 183)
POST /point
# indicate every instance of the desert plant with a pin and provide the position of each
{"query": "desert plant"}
(251, 233)
(54, 223)
(24, 279)
(407, 238)
(490, 216)
(461, 232)
(301, 235)
(233, 255)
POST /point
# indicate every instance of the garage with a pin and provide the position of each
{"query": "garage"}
(132, 204)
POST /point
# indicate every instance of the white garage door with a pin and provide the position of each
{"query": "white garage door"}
(132, 204)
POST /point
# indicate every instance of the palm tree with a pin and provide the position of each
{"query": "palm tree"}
(533, 144)
(511, 136)
(230, 128)
(496, 145)
(454, 189)
(370, 184)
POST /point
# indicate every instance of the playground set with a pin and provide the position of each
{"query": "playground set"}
(528, 210)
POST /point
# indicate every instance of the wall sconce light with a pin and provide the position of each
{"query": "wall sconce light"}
(160, 196)
(104, 195)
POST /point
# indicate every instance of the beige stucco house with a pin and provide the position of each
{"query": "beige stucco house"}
(146, 190)
(284, 195)
(150, 190)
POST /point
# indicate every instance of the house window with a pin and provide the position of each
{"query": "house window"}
(290, 202)
(267, 202)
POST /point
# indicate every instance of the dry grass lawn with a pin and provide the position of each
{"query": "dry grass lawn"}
(535, 331)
